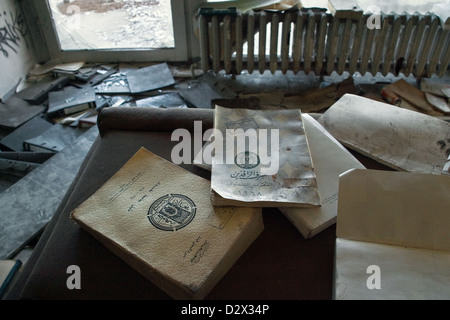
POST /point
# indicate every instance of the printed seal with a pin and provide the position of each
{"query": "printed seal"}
(247, 160)
(172, 212)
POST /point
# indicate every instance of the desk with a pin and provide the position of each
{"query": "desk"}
(279, 265)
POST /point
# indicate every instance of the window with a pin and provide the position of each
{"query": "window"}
(106, 24)
(114, 30)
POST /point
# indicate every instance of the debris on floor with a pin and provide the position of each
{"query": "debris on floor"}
(28, 205)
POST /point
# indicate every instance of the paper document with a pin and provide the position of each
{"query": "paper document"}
(404, 273)
(330, 160)
(267, 163)
(399, 138)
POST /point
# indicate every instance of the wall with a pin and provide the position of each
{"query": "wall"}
(16, 50)
(191, 7)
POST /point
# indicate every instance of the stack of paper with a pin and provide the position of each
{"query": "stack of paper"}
(330, 159)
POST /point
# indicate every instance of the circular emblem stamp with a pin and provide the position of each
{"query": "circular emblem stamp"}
(247, 160)
(172, 212)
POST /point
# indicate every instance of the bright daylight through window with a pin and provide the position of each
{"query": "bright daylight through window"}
(113, 24)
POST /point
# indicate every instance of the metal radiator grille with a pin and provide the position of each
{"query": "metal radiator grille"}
(315, 41)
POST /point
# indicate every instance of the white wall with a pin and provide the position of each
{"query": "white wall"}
(16, 51)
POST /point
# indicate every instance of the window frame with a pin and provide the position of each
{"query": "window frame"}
(51, 41)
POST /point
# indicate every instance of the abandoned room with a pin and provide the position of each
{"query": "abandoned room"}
(224, 151)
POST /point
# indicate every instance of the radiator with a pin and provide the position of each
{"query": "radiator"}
(319, 42)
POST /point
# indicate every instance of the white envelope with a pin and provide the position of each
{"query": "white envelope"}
(392, 228)
(330, 160)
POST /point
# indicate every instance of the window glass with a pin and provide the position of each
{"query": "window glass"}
(113, 24)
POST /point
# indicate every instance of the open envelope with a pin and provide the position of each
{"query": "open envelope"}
(392, 228)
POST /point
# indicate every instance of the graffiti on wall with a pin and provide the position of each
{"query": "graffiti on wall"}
(13, 30)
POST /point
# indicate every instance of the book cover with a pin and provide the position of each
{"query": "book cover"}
(201, 92)
(150, 78)
(28, 205)
(16, 111)
(70, 101)
(34, 127)
(55, 139)
(274, 170)
(37, 93)
(159, 219)
(165, 101)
